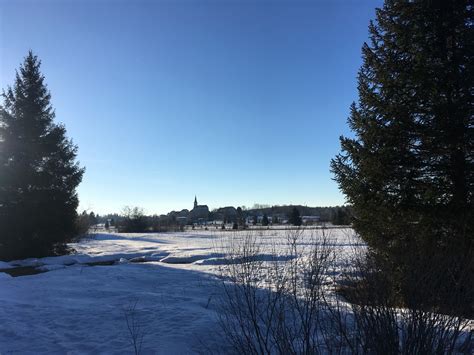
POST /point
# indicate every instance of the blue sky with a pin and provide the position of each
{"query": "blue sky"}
(237, 102)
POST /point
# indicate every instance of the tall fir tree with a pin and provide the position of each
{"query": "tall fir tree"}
(295, 218)
(39, 171)
(240, 217)
(408, 173)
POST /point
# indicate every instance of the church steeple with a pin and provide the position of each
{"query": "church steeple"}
(195, 201)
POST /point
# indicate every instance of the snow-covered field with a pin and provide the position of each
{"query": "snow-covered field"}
(79, 304)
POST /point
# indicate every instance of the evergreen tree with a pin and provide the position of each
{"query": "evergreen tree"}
(92, 219)
(295, 218)
(341, 217)
(408, 173)
(265, 220)
(39, 172)
(240, 217)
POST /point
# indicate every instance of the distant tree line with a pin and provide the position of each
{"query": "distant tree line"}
(134, 220)
(326, 214)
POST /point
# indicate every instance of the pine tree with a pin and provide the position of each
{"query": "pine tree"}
(265, 220)
(408, 173)
(240, 217)
(295, 218)
(341, 216)
(93, 219)
(39, 173)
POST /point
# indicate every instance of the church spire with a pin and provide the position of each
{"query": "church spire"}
(195, 201)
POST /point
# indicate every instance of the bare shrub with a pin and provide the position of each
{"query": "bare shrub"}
(134, 326)
(82, 226)
(280, 299)
(134, 220)
(272, 303)
(375, 321)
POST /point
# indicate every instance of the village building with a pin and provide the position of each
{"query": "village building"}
(199, 214)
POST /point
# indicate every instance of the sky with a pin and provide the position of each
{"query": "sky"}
(236, 102)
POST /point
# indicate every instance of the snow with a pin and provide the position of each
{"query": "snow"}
(81, 309)
(4, 276)
(189, 258)
(4, 265)
(78, 306)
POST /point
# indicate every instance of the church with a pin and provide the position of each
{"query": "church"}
(200, 213)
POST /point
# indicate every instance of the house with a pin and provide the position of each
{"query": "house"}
(309, 220)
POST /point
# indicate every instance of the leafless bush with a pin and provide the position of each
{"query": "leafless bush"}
(285, 304)
(82, 226)
(375, 321)
(273, 303)
(134, 326)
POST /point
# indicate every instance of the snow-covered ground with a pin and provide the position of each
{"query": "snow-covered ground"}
(79, 304)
